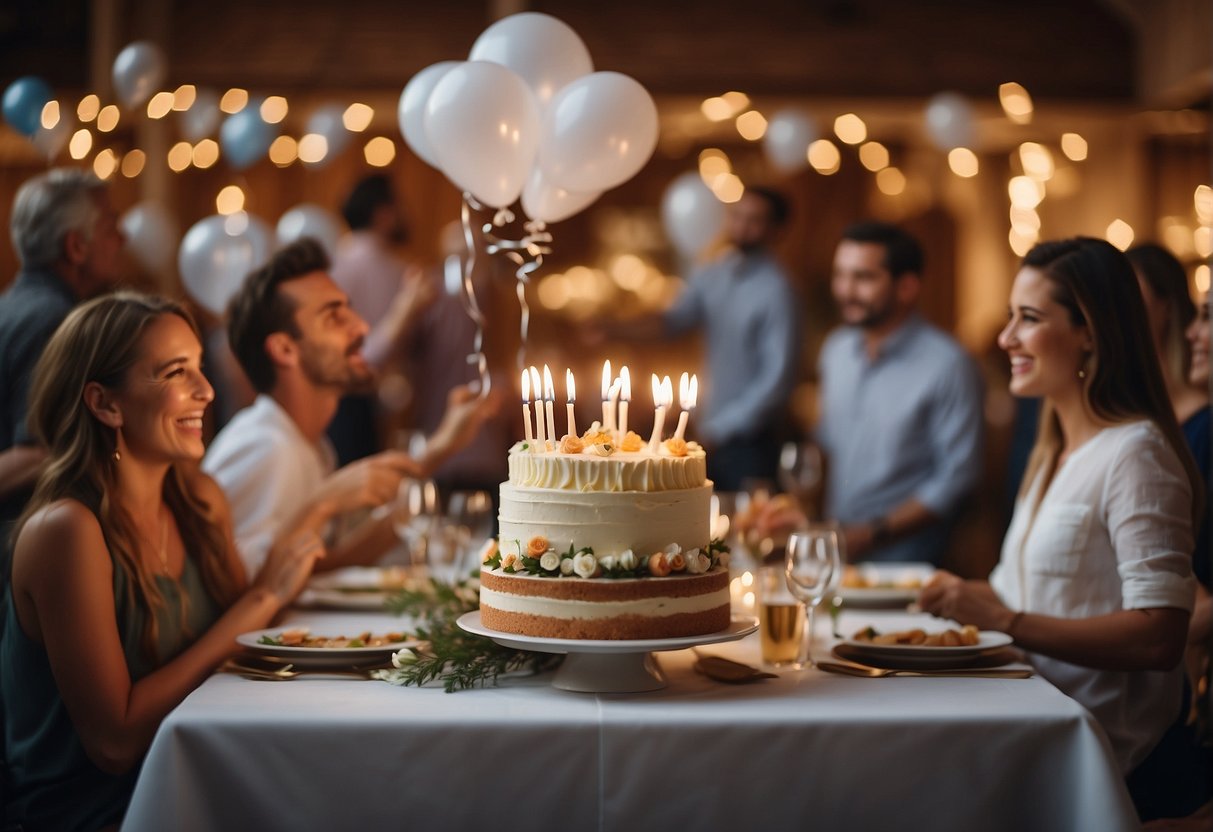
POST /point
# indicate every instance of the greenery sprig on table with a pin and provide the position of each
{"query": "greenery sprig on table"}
(451, 655)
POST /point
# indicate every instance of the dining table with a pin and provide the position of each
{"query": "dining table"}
(806, 749)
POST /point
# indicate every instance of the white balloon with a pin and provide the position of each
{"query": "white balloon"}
(138, 72)
(598, 132)
(309, 220)
(544, 51)
(218, 253)
(482, 122)
(544, 202)
(789, 134)
(950, 123)
(203, 116)
(691, 214)
(328, 122)
(411, 111)
(151, 236)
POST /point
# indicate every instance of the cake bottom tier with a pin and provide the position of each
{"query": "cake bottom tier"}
(604, 609)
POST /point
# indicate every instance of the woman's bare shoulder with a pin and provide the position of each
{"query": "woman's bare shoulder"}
(60, 536)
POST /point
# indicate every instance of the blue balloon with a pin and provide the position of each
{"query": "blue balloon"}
(245, 137)
(23, 103)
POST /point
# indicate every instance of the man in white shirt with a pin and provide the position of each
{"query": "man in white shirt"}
(296, 337)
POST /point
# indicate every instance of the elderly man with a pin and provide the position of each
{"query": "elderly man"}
(900, 402)
(65, 231)
(294, 333)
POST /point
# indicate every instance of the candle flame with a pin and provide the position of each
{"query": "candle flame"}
(606, 379)
(613, 393)
(684, 390)
(526, 386)
(569, 386)
(656, 391)
(535, 382)
(667, 391)
(693, 389)
(626, 378)
(549, 389)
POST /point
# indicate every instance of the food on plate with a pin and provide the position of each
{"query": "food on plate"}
(605, 546)
(855, 577)
(966, 636)
(302, 637)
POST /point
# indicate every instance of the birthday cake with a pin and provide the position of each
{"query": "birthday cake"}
(600, 540)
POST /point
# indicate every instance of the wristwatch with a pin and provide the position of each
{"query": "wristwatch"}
(880, 530)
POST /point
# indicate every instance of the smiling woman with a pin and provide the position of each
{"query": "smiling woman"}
(126, 587)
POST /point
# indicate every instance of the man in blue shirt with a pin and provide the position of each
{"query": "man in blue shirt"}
(901, 405)
(749, 315)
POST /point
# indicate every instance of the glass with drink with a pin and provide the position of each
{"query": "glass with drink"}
(781, 619)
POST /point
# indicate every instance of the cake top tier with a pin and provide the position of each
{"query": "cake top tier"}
(602, 466)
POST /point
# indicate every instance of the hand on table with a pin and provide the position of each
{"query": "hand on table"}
(968, 602)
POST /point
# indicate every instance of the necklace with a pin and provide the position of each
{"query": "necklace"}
(162, 551)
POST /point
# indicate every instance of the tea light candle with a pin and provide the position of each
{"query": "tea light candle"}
(540, 434)
(570, 392)
(526, 408)
(625, 397)
(549, 402)
(688, 393)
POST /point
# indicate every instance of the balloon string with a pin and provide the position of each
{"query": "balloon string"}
(468, 299)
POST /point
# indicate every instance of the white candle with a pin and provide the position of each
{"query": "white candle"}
(540, 436)
(688, 393)
(570, 391)
(526, 408)
(625, 398)
(662, 396)
(549, 401)
(608, 420)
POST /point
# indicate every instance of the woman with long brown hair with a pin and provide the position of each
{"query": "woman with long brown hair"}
(1095, 580)
(126, 588)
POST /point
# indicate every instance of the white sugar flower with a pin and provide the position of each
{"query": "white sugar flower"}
(673, 549)
(585, 565)
(627, 559)
(607, 562)
(566, 566)
(697, 562)
(403, 657)
(550, 560)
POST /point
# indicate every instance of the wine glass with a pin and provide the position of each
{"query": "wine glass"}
(414, 516)
(813, 567)
(800, 469)
(470, 515)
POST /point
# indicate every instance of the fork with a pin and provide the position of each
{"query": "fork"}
(879, 673)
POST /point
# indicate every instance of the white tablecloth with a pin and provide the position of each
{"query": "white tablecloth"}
(806, 750)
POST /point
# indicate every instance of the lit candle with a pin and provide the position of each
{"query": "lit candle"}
(608, 417)
(662, 396)
(526, 408)
(549, 402)
(540, 437)
(625, 397)
(570, 390)
(688, 393)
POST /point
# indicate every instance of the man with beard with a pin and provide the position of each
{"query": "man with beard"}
(300, 344)
(748, 312)
(900, 405)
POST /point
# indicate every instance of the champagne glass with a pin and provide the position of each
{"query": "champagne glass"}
(813, 567)
(800, 468)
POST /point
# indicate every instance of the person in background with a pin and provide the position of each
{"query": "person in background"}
(901, 405)
(385, 292)
(127, 591)
(748, 311)
(300, 344)
(65, 232)
(1095, 580)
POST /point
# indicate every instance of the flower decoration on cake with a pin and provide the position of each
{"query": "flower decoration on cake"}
(571, 444)
(595, 437)
(584, 563)
(675, 446)
(631, 442)
(537, 545)
(603, 448)
(549, 561)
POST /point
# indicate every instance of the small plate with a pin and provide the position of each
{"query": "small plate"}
(330, 657)
(986, 640)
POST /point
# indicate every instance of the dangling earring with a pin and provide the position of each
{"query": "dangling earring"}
(1082, 373)
(117, 442)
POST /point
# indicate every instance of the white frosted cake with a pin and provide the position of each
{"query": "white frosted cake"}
(597, 542)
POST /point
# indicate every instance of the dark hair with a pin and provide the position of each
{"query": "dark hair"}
(258, 309)
(1165, 276)
(902, 252)
(367, 195)
(1095, 283)
(777, 204)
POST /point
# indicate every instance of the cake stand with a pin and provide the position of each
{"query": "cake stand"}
(620, 666)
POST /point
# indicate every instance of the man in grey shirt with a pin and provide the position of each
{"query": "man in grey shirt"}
(901, 405)
(748, 312)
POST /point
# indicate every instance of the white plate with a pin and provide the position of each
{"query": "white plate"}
(320, 656)
(353, 588)
(886, 579)
(986, 640)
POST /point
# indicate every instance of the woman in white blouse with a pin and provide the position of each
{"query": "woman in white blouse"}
(1095, 580)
